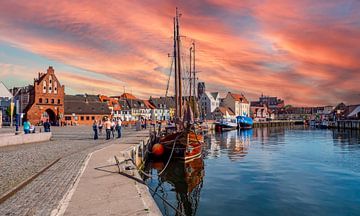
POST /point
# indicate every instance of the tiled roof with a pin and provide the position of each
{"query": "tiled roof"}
(127, 96)
(85, 104)
(223, 110)
(159, 102)
(148, 104)
(239, 97)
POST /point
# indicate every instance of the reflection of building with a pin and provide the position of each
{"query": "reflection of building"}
(44, 100)
(84, 109)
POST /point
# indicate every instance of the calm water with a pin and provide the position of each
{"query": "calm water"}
(269, 171)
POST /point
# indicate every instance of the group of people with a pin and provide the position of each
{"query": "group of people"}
(110, 127)
(29, 128)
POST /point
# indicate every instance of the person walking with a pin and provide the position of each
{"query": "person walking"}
(107, 126)
(95, 128)
(118, 127)
(47, 125)
(27, 126)
(100, 127)
(113, 125)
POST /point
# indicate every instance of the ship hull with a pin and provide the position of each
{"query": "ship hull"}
(188, 145)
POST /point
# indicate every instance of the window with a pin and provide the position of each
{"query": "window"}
(46, 100)
(67, 118)
(87, 118)
(82, 118)
(52, 101)
(59, 101)
(92, 117)
(44, 87)
(40, 100)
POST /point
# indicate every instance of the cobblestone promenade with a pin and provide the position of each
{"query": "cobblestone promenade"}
(71, 144)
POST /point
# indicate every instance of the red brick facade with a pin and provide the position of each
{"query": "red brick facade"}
(48, 99)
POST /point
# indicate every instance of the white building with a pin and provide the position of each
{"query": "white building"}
(238, 103)
(209, 101)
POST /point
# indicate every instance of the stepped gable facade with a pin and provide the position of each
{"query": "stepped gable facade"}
(46, 100)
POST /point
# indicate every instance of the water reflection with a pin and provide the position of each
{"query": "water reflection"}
(346, 139)
(186, 180)
(233, 143)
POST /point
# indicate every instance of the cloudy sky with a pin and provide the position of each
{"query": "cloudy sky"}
(307, 52)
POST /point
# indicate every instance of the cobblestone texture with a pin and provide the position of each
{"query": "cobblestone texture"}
(43, 194)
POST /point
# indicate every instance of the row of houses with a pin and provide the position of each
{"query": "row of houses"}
(46, 100)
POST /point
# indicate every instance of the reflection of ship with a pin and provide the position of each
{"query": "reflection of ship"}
(186, 178)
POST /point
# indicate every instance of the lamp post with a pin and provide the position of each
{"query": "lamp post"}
(17, 117)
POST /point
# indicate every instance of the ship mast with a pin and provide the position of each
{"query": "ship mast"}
(176, 77)
(179, 64)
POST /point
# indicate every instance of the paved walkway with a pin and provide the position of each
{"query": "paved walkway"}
(43, 195)
(101, 190)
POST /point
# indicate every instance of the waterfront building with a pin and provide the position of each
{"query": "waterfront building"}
(164, 108)
(5, 100)
(114, 106)
(260, 112)
(238, 103)
(42, 101)
(84, 109)
(223, 113)
(209, 101)
(271, 102)
(353, 112)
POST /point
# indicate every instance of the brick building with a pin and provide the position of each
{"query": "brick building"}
(46, 99)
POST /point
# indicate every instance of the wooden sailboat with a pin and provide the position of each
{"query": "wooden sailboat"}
(183, 142)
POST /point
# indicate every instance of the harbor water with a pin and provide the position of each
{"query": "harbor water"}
(265, 171)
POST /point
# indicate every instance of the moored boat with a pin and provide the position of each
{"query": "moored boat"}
(244, 122)
(184, 141)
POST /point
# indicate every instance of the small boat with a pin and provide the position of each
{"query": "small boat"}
(226, 124)
(244, 122)
(324, 124)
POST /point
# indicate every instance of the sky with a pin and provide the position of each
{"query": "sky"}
(306, 52)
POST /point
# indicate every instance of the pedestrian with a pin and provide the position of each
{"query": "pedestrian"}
(47, 125)
(113, 125)
(95, 128)
(100, 127)
(118, 127)
(27, 126)
(145, 123)
(107, 126)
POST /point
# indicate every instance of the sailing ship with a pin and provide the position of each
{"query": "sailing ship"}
(183, 141)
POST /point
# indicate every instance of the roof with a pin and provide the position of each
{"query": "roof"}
(148, 104)
(85, 104)
(239, 97)
(4, 92)
(353, 110)
(159, 102)
(214, 94)
(127, 96)
(223, 110)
